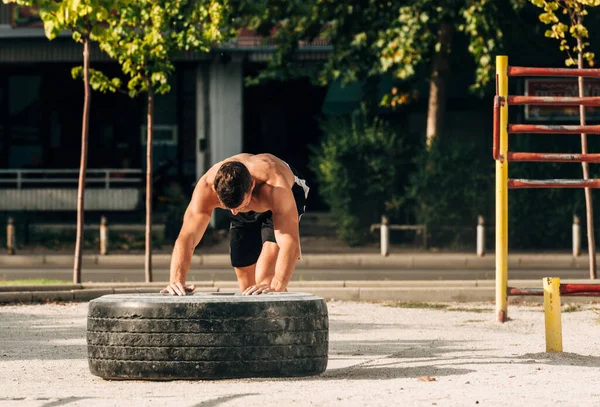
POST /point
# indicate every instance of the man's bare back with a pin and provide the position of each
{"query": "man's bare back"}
(268, 172)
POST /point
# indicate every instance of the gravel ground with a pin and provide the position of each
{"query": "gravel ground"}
(380, 355)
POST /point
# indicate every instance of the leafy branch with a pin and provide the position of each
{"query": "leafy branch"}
(98, 80)
(569, 30)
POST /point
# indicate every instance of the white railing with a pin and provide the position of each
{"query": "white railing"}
(50, 178)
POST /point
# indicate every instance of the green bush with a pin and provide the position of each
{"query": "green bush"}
(357, 165)
(450, 186)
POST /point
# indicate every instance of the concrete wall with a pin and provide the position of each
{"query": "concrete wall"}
(225, 99)
(219, 117)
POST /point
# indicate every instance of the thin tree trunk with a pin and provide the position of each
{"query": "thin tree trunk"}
(589, 209)
(437, 85)
(83, 160)
(149, 141)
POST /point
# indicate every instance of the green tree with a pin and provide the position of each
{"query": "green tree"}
(85, 19)
(410, 40)
(565, 18)
(371, 37)
(144, 36)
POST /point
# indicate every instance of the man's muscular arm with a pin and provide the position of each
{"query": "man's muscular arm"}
(285, 225)
(195, 221)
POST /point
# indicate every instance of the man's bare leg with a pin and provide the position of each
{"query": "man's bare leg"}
(265, 266)
(245, 276)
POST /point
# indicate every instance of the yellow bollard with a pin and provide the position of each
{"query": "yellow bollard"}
(552, 314)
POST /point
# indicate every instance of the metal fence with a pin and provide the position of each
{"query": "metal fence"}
(51, 178)
(56, 189)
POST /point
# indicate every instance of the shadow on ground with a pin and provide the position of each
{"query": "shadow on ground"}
(562, 359)
(41, 337)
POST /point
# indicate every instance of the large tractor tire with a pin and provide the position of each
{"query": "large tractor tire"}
(207, 336)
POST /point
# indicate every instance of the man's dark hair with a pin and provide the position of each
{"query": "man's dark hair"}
(232, 182)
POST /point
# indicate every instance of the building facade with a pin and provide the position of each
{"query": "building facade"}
(208, 115)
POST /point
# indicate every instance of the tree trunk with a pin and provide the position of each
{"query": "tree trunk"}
(149, 141)
(589, 209)
(437, 86)
(83, 160)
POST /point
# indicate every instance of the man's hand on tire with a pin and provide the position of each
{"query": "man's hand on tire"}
(258, 289)
(178, 288)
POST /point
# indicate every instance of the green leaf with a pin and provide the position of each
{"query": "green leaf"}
(76, 36)
(77, 72)
(548, 18)
(50, 29)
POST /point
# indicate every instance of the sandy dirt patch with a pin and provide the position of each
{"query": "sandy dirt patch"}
(377, 355)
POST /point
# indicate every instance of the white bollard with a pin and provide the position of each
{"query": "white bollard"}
(576, 237)
(385, 236)
(103, 236)
(10, 236)
(480, 236)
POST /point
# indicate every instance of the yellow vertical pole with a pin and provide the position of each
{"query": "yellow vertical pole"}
(502, 195)
(552, 314)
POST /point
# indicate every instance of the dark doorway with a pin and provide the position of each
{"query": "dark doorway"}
(40, 120)
(282, 118)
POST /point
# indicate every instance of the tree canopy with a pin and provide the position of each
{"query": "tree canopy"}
(145, 36)
(371, 37)
(84, 18)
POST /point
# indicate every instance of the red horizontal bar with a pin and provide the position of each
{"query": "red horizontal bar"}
(553, 183)
(540, 292)
(552, 129)
(553, 100)
(554, 157)
(526, 71)
(524, 291)
(579, 288)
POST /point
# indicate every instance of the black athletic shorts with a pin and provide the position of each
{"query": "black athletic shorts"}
(249, 230)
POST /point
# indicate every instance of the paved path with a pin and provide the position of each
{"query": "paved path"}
(377, 354)
(118, 273)
(400, 277)
(408, 261)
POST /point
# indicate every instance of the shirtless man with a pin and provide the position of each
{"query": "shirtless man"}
(265, 199)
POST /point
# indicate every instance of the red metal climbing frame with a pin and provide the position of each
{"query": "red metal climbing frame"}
(502, 156)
